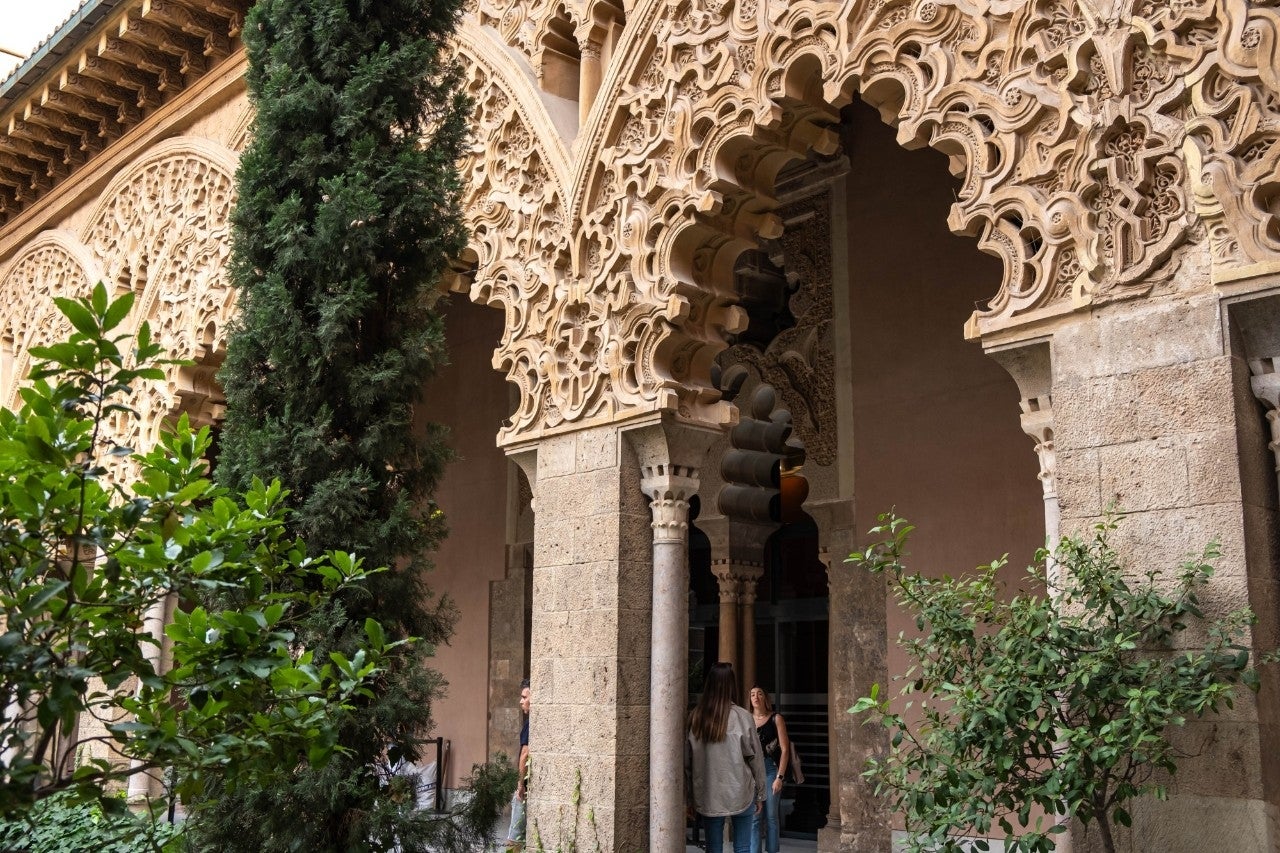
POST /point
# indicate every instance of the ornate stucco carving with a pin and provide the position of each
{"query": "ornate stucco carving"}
(160, 229)
(54, 264)
(799, 360)
(514, 203)
(1093, 139)
(527, 24)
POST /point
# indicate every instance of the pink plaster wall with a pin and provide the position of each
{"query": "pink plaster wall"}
(469, 397)
(936, 422)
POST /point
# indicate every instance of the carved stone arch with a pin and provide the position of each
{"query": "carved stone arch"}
(162, 229)
(54, 264)
(518, 177)
(1093, 148)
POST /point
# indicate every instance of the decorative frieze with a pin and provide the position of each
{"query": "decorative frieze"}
(1095, 142)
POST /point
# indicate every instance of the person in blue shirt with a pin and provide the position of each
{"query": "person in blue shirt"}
(515, 833)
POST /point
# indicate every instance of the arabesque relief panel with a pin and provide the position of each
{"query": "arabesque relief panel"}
(1095, 142)
(160, 229)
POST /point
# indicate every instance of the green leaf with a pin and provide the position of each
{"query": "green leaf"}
(80, 316)
(118, 310)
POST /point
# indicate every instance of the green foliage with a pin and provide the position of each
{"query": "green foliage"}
(348, 213)
(64, 824)
(1062, 704)
(85, 560)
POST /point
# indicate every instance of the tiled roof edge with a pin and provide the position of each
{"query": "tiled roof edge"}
(55, 48)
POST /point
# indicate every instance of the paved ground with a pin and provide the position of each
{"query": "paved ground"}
(789, 845)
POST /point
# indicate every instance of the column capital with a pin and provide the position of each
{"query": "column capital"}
(1030, 363)
(527, 459)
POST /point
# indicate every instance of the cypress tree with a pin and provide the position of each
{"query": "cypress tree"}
(348, 211)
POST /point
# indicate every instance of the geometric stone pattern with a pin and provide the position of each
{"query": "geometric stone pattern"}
(160, 230)
(1094, 142)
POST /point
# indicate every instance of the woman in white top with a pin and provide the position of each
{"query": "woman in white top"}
(724, 765)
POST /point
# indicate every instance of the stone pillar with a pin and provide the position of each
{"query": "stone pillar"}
(141, 784)
(832, 829)
(1030, 365)
(1148, 414)
(858, 819)
(669, 456)
(730, 587)
(589, 75)
(590, 636)
(747, 626)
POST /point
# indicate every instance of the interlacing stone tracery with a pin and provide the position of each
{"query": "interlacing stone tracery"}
(161, 230)
(1095, 141)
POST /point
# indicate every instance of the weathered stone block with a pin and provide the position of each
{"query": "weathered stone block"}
(1144, 405)
(1144, 475)
(1079, 484)
(557, 456)
(597, 449)
(553, 544)
(1213, 470)
(1134, 336)
(595, 539)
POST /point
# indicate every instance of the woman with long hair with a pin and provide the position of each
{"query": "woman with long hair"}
(724, 766)
(771, 729)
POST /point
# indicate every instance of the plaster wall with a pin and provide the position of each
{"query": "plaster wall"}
(470, 399)
(935, 421)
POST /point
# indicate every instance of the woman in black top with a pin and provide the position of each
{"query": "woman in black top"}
(772, 730)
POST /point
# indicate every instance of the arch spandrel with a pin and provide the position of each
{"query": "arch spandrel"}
(54, 264)
(518, 174)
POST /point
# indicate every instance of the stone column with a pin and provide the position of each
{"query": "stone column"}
(140, 784)
(589, 75)
(670, 488)
(747, 626)
(730, 587)
(1030, 365)
(858, 650)
(669, 456)
(832, 829)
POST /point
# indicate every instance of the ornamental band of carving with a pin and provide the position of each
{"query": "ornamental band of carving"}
(1095, 142)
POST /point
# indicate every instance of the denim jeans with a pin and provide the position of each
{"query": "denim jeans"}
(741, 831)
(769, 817)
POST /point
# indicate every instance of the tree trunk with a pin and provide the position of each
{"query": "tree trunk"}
(1104, 829)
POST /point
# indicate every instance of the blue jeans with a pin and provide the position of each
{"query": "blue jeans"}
(772, 804)
(741, 831)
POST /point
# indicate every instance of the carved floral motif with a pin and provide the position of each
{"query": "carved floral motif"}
(48, 268)
(1094, 142)
(160, 230)
(163, 231)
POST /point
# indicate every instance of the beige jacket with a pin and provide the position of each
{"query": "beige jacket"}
(725, 778)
